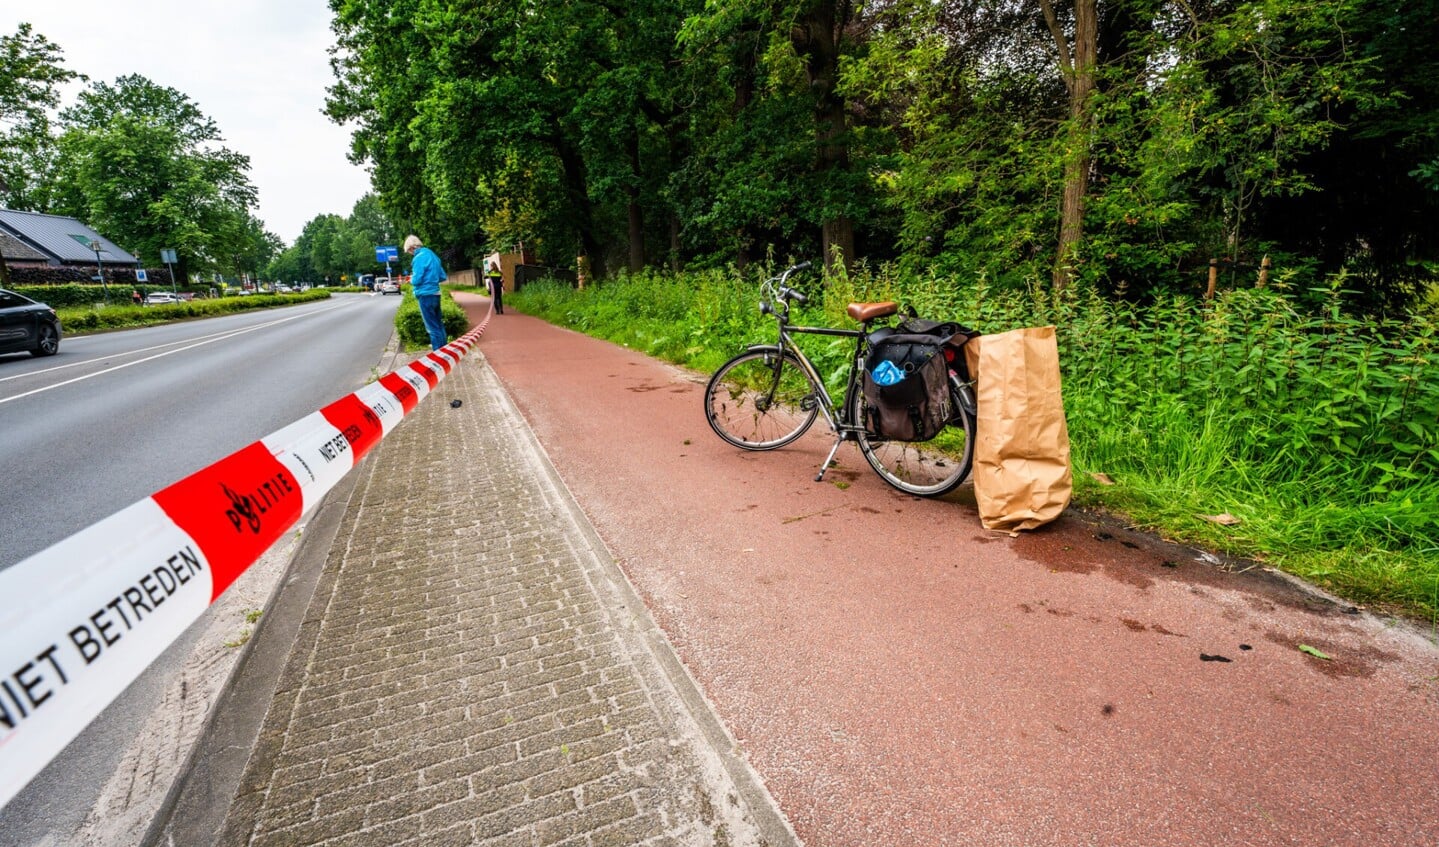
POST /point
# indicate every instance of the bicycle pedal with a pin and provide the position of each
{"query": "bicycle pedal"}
(809, 403)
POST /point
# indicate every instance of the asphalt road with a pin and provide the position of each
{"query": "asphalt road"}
(115, 417)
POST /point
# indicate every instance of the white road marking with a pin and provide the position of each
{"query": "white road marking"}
(202, 341)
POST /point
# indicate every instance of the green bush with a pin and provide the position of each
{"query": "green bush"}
(89, 318)
(75, 294)
(118, 276)
(1318, 430)
(411, 326)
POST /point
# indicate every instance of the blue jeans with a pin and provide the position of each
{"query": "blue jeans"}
(434, 324)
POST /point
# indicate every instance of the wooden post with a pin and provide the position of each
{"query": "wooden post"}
(1213, 278)
(1264, 267)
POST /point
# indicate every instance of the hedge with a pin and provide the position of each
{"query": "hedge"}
(411, 326)
(70, 294)
(117, 276)
(81, 319)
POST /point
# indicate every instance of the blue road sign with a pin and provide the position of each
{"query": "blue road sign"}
(387, 254)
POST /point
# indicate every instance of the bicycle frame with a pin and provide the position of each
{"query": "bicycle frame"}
(836, 417)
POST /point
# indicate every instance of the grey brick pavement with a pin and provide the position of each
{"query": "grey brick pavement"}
(473, 669)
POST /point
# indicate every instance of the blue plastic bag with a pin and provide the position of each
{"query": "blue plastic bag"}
(886, 373)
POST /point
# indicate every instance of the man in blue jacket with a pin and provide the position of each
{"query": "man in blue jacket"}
(426, 274)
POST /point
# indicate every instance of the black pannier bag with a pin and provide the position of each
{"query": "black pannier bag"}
(949, 333)
(916, 407)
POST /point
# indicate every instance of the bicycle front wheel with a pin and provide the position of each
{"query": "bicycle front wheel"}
(923, 468)
(760, 400)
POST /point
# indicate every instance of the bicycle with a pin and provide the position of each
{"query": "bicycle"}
(770, 394)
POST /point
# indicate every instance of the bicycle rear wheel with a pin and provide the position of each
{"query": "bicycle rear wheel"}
(923, 468)
(760, 400)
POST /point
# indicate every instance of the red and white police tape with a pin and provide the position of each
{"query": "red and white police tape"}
(82, 619)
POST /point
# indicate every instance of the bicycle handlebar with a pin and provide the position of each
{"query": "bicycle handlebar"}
(781, 291)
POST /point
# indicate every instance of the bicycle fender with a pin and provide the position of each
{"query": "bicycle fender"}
(766, 348)
(966, 397)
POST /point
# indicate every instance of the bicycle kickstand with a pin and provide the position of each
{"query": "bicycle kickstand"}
(829, 460)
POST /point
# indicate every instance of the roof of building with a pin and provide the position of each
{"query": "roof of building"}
(60, 238)
(15, 250)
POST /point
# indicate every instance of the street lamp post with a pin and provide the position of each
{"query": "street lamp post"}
(99, 269)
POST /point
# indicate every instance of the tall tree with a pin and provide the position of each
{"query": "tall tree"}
(145, 166)
(1373, 190)
(31, 73)
(1120, 142)
(746, 183)
(818, 34)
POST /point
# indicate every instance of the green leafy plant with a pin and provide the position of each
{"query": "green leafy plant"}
(411, 326)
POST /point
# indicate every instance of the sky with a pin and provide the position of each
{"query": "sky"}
(257, 68)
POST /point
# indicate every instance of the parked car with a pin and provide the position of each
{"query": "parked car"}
(387, 286)
(26, 325)
(155, 298)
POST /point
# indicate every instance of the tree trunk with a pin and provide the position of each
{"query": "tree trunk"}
(1078, 69)
(577, 188)
(745, 69)
(817, 37)
(636, 212)
(837, 236)
(675, 264)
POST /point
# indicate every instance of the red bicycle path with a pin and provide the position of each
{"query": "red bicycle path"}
(897, 675)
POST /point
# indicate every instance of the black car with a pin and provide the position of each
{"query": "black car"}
(27, 325)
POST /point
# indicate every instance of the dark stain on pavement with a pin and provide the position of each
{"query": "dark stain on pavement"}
(1073, 566)
(1135, 626)
(1085, 544)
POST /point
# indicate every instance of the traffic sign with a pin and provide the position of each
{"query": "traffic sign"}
(168, 257)
(387, 254)
(140, 275)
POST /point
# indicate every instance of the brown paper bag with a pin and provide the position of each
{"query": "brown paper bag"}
(1021, 452)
